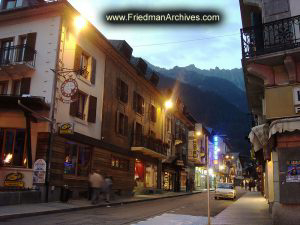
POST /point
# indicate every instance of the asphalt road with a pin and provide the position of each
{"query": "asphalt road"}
(194, 205)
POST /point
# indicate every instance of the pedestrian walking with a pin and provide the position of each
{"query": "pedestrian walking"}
(96, 182)
(108, 188)
(187, 183)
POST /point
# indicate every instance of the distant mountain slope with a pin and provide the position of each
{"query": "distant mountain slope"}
(227, 83)
(214, 111)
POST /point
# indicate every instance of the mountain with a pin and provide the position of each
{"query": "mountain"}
(214, 97)
(227, 83)
(214, 111)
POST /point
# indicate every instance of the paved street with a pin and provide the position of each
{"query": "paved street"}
(136, 213)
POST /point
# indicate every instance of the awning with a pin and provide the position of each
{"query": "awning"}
(259, 136)
(149, 152)
(282, 125)
(33, 102)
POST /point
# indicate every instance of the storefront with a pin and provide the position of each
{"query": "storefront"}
(200, 178)
(168, 180)
(145, 175)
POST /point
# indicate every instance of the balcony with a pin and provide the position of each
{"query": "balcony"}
(17, 59)
(270, 37)
(150, 146)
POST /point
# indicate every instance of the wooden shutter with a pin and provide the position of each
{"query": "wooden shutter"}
(118, 88)
(117, 122)
(74, 105)
(93, 72)
(30, 47)
(126, 93)
(78, 52)
(125, 125)
(92, 109)
(25, 85)
(134, 101)
(143, 105)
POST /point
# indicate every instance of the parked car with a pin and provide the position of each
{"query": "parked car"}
(225, 190)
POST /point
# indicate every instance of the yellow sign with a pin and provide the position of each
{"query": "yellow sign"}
(66, 128)
(13, 183)
(14, 180)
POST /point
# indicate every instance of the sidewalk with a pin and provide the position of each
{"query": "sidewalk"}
(251, 209)
(23, 210)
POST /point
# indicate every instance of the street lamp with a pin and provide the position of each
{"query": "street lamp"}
(227, 156)
(168, 104)
(80, 23)
(198, 133)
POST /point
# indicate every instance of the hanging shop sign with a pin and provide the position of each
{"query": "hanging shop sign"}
(293, 171)
(39, 171)
(66, 128)
(14, 180)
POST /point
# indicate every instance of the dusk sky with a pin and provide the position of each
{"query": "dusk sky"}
(202, 45)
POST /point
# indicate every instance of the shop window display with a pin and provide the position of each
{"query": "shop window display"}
(77, 159)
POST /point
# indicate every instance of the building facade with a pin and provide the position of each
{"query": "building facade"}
(270, 47)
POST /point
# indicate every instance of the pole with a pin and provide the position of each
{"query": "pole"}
(208, 188)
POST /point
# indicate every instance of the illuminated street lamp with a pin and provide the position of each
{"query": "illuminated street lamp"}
(232, 157)
(227, 156)
(80, 23)
(198, 133)
(168, 104)
(221, 167)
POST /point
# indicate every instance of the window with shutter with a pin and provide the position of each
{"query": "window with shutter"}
(122, 124)
(30, 47)
(138, 103)
(93, 72)
(152, 113)
(3, 87)
(92, 109)
(122, 90)
(25, 85)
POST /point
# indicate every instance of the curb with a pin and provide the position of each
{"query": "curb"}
(21, 215)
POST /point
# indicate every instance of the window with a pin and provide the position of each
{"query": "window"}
(138, 134)
(22, 44)
(12, 146)
(16, 88)
(122, 124)
(77, 108)
(152, 113)
(3, 87)
(77, 159)
(168, 124)
(85, 64)
(6, 54)
(117, 162)
(122, 90)
(11, 4)
(138, 103)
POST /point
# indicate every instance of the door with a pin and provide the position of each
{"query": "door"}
(6, 56)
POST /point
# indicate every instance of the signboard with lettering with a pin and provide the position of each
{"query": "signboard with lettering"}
(66, 128)
(39, 171)
(14, 180)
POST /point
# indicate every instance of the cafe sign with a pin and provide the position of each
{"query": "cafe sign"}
(66, 128)
(14, 180)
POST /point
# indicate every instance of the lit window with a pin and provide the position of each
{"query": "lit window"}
(12, 146)
(77, 159)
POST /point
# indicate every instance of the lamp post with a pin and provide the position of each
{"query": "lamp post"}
(208, 195)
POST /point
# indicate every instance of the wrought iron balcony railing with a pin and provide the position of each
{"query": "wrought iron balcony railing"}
(154, 144)
(271, 37)
(17, 54)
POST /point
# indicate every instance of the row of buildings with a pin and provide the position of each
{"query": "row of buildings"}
(72, 101)
(270, 48)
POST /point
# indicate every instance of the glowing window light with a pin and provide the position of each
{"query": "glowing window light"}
(8, 158)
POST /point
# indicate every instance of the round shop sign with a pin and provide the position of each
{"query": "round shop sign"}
(69, 87)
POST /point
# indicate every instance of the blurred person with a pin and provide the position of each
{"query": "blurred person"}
(96, 183)
(107, 187)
